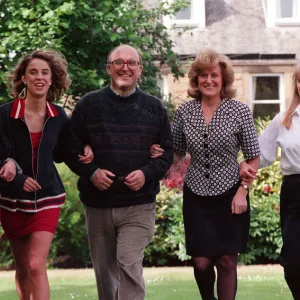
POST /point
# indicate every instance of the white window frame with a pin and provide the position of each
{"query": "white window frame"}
(272, 14)
(164, 85)
(197, 16)
(279, 101)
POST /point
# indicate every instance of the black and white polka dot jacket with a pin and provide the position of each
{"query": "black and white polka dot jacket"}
(214, 168)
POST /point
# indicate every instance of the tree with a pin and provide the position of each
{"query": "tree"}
(85, 31)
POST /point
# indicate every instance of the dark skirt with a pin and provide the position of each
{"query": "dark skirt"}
(210, 227)
(290, 221)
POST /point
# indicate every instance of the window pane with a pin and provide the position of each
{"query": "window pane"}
(266, 88)
(184, 14)
(286, 9)
(264, 110)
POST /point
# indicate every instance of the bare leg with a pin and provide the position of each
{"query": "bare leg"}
(19, 249)
(227, 277)
(30, 254)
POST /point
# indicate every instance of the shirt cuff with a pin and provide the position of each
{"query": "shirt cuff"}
(19, 170)
(91, 178)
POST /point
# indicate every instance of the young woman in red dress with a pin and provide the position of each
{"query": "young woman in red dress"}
(37, 132)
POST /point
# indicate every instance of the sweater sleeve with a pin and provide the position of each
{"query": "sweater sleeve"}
(67, 150)
(156, 168)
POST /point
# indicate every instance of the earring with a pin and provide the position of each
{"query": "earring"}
(23, 93)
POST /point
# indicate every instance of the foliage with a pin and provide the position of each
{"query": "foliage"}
(268, 179)
(70, 246)
(6, 259)
(85, 32)
(170, 106)
(176, 174)
(265, 240)
(168, 242)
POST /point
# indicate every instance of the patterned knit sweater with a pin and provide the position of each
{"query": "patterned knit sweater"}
(120, 131)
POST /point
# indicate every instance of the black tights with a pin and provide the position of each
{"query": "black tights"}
(226, 280)
(292, 276)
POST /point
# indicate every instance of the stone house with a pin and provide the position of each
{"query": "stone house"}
(262, 38)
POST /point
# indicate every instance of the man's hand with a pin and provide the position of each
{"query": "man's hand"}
(239, 202)
(101, 179)
(88, 155)
(8, 171)
(30, 185)
(135, 180)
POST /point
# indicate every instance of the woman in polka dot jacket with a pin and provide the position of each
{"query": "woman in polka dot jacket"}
(283, 132)
(212, 128)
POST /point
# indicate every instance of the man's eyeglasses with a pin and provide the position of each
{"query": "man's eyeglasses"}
(118, 64)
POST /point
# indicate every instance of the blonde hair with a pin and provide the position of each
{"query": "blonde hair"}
(287, 120)
(206, 59)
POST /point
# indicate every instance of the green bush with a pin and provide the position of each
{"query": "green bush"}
(167, 245)
(268, 179)
(70, 246)
(265, 241)
(6, 259)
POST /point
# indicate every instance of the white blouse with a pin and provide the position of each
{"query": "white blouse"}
(276, 135)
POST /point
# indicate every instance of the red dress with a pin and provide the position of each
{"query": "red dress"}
(17, 224)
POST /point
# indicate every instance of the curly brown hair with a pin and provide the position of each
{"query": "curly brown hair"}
(59, 71)
(205, 60)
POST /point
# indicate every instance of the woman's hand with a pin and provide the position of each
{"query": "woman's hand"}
(239, 202)
(30, 185)
(156, 151)
(88, 155)
(8, 171)
(247, 172)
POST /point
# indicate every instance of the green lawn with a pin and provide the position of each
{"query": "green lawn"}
(255, 282)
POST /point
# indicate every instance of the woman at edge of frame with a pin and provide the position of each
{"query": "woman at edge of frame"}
(283, 132)
(38, 134)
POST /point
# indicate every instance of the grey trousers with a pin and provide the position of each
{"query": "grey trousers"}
(117, 240)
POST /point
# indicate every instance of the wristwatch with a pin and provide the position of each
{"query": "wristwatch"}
(245, 186)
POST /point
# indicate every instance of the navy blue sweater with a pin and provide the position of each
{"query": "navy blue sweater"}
(120, 131)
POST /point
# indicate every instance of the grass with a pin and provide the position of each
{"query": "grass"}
(255, 282)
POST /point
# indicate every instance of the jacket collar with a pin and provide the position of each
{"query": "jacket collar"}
(18, 107)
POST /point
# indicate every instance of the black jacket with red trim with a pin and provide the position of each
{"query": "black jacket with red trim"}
(56, 145)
